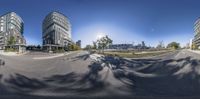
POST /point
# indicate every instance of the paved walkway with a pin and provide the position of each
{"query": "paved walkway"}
(175, 74)
(52, 56)
(195, 51)
(11, 53)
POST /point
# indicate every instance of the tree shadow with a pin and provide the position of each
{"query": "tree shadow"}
(160, 77)
(62, 79)
(90, 81)
(2, 62)
(23, 84)
(85, 83)
(141, 77)
(2, 86)
(81, 57)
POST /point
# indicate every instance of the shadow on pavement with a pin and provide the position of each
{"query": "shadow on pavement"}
(23, 84)
(81, 57)
(2, 62)
(85, 83)
(159, 77)
(141, 77)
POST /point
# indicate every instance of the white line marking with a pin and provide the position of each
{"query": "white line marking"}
(50, 57)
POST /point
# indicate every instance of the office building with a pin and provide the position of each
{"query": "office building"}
(56, 30)
(78, 43)
(11, 32)
(196, 39)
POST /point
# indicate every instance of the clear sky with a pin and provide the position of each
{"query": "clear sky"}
(125, 21)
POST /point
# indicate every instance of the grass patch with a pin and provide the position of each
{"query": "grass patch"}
(59, 51)
(136, 55)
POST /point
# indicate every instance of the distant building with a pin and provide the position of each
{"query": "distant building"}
(196, 39)
(12, 26)
(56, 30)
(78, 43)
(128, 46)
(143, 44)
(190, 43)
(120, 46)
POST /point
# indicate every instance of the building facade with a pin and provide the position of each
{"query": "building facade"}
(128, 46)
(120, 46)
(56, 30)
(78, 43)
(12, 27)
(196, 39)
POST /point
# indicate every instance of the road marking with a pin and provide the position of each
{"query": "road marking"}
(50, 57)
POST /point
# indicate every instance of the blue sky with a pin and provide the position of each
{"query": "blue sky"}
(125, 21)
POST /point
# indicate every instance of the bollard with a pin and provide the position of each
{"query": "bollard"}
(2, 62)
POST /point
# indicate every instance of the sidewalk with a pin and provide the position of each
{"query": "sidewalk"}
(194, 51)
(11, 53)
(52, 56)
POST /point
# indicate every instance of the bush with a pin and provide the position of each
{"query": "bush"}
(10, 50)
(59, 51)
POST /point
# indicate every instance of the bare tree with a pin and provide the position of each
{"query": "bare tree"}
(104, 42)
(160, 45)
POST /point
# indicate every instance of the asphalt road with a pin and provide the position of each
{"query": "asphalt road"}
(85, 75)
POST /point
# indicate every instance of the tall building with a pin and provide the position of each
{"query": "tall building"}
(11, 27)
(78, 43)
(196, 39)
(191, 43)
(56, 30)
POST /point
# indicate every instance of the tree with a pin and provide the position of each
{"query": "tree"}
(38, 47)
(173, 45)
(11, 41)
(69, 47)
(75, 47)
(160, 45)
(104, 42)
(88, 47)
(94, 45)
(194, 46)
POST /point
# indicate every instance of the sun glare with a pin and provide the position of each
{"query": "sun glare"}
(100, 35)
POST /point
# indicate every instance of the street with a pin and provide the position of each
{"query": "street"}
(85, 75)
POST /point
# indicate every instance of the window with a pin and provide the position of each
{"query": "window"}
(11, 27)
(1, 28)
(19, 41)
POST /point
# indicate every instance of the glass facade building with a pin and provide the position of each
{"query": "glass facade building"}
(56, 30)
(196, 39)
(11, 25)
